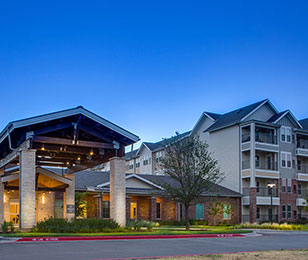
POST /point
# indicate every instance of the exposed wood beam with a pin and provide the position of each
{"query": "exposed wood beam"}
(95, 133)
(7, 178)
(14, 154)
(54, 176)
(60, 148)
(8, 187)
(64, 141)
(52, 128)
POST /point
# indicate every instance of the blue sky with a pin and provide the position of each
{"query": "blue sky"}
(152, 66)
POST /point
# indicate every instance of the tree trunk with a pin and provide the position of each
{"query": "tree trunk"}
(186, 217)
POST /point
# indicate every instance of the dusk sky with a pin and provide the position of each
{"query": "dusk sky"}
(152, 67)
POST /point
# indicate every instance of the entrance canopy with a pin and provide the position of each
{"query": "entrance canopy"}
(75, 138)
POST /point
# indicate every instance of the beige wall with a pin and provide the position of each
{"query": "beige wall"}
(145, 169)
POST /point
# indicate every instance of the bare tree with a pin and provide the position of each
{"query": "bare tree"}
(189, 163)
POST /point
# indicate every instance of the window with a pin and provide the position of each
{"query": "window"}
(181, 211)
(283, 209)
(131, 164)
(299, 186)
(285, 133)
(106, 209)
(299, 165)
(199, 211)
(257, 161)
(227, 211)
(289, 211)
(159, 156)
(284, 184)
(289, 185)
(258, 186)
(258, 213)
(158, 210)
(137, 162)
(286, 160)
(146, 160)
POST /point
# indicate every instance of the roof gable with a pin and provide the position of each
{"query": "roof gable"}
(276, 118)
(304, 123)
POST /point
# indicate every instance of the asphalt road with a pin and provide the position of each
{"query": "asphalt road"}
(90, 250)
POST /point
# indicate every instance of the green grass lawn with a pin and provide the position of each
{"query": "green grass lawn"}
(209, 230)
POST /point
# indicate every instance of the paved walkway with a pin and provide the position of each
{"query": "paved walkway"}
(89, 250)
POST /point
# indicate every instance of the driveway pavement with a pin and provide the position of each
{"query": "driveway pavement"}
(89, 250)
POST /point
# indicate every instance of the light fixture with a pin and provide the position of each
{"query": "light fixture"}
(271, 185)
(43, 148)
(67, 163)
(43, 198)
(78, 158)
(4, 198)
(91, 152)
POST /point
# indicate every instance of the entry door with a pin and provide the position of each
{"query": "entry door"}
(14, 212)
(133, 210)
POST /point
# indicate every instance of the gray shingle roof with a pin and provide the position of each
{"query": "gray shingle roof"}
(233, 117)
(94, 178)
(131, 154)
(213, 115)
(304, 123)
(276, 116)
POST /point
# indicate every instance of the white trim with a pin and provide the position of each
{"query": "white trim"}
(66, 113)
(293, 117)
(143, 144)
(266, 150)
(258, 107)
(133, 176)
(286, 157)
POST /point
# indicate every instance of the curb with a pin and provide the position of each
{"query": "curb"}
(54, 239)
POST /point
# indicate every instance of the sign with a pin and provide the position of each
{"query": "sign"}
(70, 208)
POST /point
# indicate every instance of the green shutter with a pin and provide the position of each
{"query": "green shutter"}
(199, 211)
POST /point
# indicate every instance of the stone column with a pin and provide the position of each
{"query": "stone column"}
(253, 205)
(128, 208)
(69, 199)
(152, 208)
(1, 202)
(117, 190)
(27, 177)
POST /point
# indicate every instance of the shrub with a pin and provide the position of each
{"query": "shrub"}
(5, 227)
(283, 226)
(139, 224)
(60, 225)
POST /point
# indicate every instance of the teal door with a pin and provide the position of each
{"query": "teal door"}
(199, 211)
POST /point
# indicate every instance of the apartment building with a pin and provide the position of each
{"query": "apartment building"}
(263, 153)
(146, 159)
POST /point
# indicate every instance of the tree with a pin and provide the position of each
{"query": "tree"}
(189, 163)
(215, 209)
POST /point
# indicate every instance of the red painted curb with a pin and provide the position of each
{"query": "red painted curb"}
(48, 239)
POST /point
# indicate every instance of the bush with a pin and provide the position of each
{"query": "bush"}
(60, 225)
(283, 226)
(137, 225)
(7, 227)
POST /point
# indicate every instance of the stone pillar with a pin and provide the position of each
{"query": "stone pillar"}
(1, 202)
(253, 205)
(152, 208)
(69, 199)
(117, 190)
(27, 178)
(127, 208)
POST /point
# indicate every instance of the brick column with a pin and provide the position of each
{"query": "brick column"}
(252, 156)
(27, 190)
(69, 199)
(253, 205)
(152, 208)
(127, 208)
(117, 190)
(1, 202)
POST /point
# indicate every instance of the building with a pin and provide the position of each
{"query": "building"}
(258, 148)
(72, 140)
(145, 199)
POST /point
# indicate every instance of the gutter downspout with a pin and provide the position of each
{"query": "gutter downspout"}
(10, 143)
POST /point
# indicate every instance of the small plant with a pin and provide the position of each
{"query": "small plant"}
(11, 226)
(5, 227)
(137, 225)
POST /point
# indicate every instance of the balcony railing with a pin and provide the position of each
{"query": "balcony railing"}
(302, 143)
(266, 138)
(261, 218)
(262, 191)
(261, 164)
(302, 193)
(261, 138)
(303, 168)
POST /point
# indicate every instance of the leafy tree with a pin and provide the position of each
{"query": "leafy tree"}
(81, 204)
(215, 209)
(306, 198)
(189, 163)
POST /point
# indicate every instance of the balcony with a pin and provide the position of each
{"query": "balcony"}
(302, 172)
(261, 138)
(261, 165)
(262, 192)
(302, 147)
